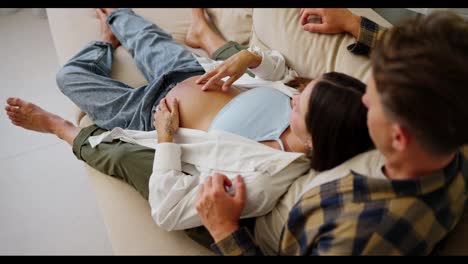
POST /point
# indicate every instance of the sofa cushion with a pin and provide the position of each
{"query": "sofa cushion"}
(309, 54)
(232, 23)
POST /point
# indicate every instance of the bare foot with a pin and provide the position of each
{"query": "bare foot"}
(32, 117)
(106, 32)
(201, 35)
(107, 11)
(196, 29)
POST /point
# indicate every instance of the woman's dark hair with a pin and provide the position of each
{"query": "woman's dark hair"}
(299, 83)
(337, 120)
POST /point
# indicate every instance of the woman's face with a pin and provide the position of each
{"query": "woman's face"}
(300, 108)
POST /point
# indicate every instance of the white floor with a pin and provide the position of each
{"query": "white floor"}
(47, 205)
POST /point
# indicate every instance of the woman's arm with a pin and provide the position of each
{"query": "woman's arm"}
(234, 67)
(169, 188)
(267, 65)
(272, 67)
(171, 192)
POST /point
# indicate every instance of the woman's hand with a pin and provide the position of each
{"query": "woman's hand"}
(334, 20)
(166, 121)
(234, 67)
(218, 210)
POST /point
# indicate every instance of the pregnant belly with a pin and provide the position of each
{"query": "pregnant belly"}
(197, 108)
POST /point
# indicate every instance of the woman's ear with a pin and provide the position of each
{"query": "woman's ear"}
(308, 143)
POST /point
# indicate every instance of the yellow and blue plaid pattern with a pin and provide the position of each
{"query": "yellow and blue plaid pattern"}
(359, 215)
(369, 35)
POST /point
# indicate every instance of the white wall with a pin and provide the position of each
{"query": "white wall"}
(39, 12)
(7, 11)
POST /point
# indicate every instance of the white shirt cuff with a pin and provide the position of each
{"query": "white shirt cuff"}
(167, 157)
(267, 65)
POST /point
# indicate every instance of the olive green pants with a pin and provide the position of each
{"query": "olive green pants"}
(134, 163)
(128, 162)
(227, 50)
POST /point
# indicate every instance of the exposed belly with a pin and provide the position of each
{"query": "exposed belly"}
(197, 108)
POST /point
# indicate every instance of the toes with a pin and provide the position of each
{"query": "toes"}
(15, 101)
(99, 13)
(14, 118)
(16, 123)
(197, 11)
(107, 11)
(12, 115)
(10, 108)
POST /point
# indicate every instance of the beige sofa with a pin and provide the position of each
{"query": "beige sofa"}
(125, 213)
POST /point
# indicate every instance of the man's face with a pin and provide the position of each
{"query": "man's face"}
(377, 121)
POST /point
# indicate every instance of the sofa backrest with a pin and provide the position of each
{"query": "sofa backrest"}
(309, 54)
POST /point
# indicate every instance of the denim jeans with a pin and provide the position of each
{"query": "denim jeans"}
(85, 79)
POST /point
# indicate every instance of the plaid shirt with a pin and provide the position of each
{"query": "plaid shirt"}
(369, 34)
(359, 215)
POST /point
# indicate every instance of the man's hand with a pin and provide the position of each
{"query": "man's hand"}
(334, 20)
(219, 211)
(234, 67)
(166, 121)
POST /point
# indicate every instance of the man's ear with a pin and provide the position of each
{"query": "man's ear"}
(401, 138)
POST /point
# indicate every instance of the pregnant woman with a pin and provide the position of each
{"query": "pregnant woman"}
(326, 121)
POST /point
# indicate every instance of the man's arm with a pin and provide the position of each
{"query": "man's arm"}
(238, 243)
(369, 34)
(339, 20)
(220, 213)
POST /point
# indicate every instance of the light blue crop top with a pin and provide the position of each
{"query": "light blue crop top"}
(260, 114)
